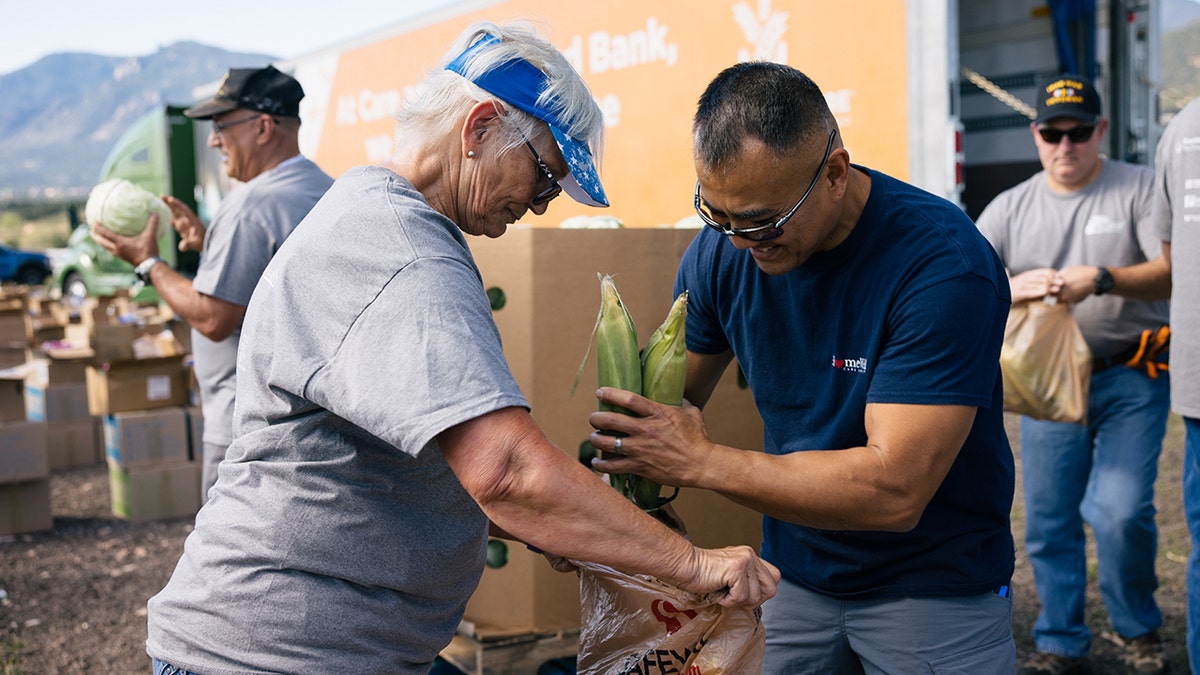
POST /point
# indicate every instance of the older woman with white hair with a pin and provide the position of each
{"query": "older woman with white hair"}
(378, 429)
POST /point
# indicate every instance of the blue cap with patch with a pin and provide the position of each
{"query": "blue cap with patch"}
(520, 83)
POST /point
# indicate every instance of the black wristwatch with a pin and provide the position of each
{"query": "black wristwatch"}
(142, 271)
(1103, 282)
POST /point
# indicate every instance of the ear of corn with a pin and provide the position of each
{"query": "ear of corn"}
(664, 361)
(659, 372)
(616, 345)
(617, 361)
(664, 374)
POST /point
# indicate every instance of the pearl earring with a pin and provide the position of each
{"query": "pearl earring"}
(470, 153)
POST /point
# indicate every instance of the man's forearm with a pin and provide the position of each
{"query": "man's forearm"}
(1150, 280)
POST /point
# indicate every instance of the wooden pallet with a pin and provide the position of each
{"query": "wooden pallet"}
(508, 652)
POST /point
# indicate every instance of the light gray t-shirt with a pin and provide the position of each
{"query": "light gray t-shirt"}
(337, 539)
(246, 231)
(1106, 224)
(1177, 219)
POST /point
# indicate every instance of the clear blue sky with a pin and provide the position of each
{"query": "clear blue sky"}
(31, 29)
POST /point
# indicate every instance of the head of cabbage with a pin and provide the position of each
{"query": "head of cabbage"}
(124, 207)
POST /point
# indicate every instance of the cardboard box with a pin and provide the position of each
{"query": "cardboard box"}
(72, 444)
(154, 492)
(114, 342)
(23, 452)
(12, 398)
(25, 507)
(62, 366)
(76, 334)
(44, 329)
(12, 324)
(551, 296)
(524, 595)
(118, 330)
(13, 355)
(56, 403)
(146, 437)
(143, 384)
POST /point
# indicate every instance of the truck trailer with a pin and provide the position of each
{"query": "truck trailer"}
(935, 92)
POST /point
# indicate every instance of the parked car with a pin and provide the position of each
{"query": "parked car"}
(23, 267)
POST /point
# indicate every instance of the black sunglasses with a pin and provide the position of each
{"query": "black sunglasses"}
(770, 230)
(1079, 134)
(545, 195)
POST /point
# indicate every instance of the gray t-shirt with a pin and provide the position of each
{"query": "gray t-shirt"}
(246, 231)
(337, 539)
(1106, 223)
(1177, 220)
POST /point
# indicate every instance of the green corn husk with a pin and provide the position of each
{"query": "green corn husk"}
(617, 361)
(664, 374)
(617, 358)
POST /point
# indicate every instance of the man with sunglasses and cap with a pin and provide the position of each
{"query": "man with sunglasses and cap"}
(1080, 231)
(867, 317)
(255, 118)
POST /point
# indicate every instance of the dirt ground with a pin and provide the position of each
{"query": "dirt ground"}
(73, 599)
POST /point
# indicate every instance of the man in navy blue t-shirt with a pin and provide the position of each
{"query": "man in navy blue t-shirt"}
(867, 317)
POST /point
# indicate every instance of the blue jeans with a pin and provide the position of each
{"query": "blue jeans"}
(1102, 474)
(1191, 506)
(813, 634)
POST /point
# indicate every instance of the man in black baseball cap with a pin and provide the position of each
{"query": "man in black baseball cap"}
(255, 117)
(264, 90)
(1078, 232)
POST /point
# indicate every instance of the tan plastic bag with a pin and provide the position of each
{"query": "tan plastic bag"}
(637, 625)
(1045, 363)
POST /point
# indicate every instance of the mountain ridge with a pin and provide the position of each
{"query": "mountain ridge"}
(63, 112)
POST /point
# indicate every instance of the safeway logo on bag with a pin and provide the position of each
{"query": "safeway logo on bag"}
(663, 662)
(666, 613)
(666, 661)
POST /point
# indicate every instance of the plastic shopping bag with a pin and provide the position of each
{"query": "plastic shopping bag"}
(637, 625)
(1045, 363)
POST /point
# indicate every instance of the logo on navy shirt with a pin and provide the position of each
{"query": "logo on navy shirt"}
(858, 365)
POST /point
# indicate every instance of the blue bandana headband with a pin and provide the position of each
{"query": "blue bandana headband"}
(519, 83)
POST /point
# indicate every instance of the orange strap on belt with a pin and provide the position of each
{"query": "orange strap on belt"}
(1153, 344)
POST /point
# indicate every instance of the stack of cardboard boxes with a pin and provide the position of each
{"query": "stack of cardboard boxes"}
(138, 386)
(56, 395)
(24, 470)
(107, 380)
(24, 467)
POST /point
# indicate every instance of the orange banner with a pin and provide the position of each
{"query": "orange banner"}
(646, 62)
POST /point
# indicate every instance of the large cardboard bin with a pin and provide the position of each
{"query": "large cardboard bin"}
(546, 296)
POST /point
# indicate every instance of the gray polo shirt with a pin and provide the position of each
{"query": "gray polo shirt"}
(1106, 223)
(248, 228)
